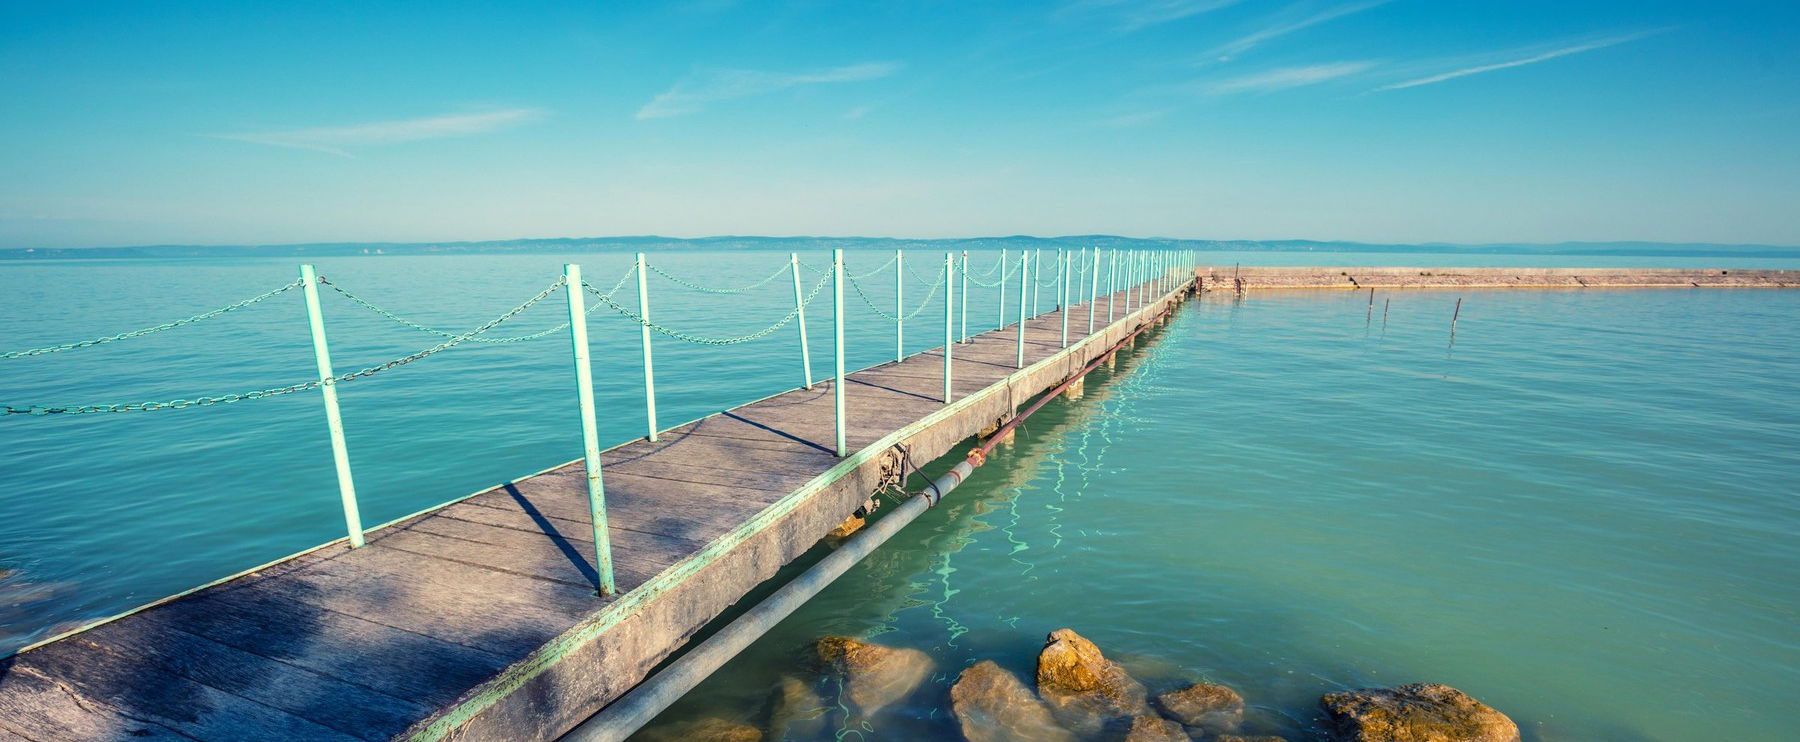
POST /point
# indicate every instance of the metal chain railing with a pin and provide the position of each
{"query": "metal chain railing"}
(702, 340)
(177, 404)
(629, 272)
(919, 278)
(1010, 270)
(779, 272)
(884, 266)
(151, 330)
(935, 285)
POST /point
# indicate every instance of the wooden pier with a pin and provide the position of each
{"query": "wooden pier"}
(1229, 278)
(478, 620)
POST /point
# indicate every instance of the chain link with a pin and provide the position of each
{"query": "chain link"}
(629, 272)
(277, 391)
(937, 283)
(710, 290)
(1010, 270)
(702, 340)
(149, 330)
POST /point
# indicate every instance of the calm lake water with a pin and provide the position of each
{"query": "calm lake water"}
(1583, 513)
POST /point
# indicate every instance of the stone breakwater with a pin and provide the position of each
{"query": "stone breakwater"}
(1233, 279)
(1077, 695)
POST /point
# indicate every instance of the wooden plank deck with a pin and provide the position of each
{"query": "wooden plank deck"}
(478, 619)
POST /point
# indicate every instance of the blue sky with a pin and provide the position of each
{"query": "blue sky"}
(1399, 121)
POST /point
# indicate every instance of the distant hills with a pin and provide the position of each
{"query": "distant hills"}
(811, 244)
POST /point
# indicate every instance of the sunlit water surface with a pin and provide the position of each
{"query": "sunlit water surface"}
(1583, 512)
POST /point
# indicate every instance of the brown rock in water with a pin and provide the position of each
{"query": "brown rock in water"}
(1204, 707)
(994, 706)
(1421, 712)
(1149, 728)
(1086, 691)
(874, 676)
(796, 711)
(703, 730)
(848, 528)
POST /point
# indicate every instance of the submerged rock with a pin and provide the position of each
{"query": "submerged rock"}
(1204, 708)
(873, 676)
(1421, 712)
(704, 730)
(1086, 692)
(796, 711)
(1149, 728)
(849, 527)
(994, 706)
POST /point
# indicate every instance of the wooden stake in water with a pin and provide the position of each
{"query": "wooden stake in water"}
(1368, 316)
(1384, 310)
(1453, 316)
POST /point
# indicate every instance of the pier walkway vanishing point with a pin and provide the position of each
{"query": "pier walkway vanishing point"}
(487, 618)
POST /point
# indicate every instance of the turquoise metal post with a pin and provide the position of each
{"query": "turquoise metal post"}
(1125, 279)
(649, 367)
(1112, 283)
(590, 431)
(1002, 320)
(800, 318)
(1143, 279)
(1037, 268)
(340, 455)
(899, 305)
(1138, 279)
(1025, 281)
(949, 308)
(965, 296)
(1094, 291)
(837, 343)
(1062, 293)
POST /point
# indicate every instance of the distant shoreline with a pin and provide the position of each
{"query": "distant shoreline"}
(805, 244)
(1229, 279)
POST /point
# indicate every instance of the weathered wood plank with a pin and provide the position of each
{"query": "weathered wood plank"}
(454, 601)
(399, 663)
(321, 699)
(44, 709)
(155, 696)
(696, 512)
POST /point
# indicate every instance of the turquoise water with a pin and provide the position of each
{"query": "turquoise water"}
(1582, 513)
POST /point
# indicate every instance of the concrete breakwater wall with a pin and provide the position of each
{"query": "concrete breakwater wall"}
(1231, 278)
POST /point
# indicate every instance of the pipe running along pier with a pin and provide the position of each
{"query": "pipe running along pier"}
(518, 612)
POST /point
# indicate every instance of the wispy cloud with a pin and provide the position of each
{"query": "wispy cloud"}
(695, 93)
(1290, 21)
(1543, 56)
(1283, 78)
(338, 140)
(1132, 15)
